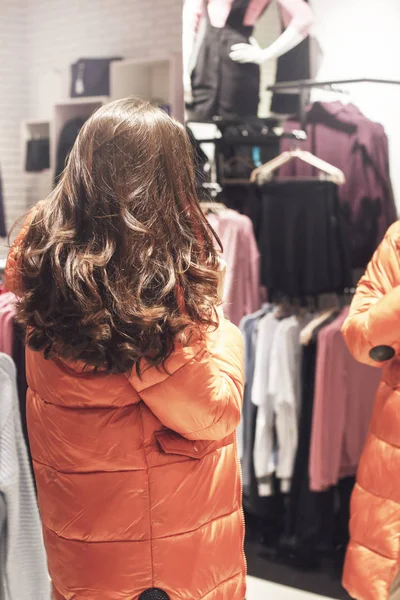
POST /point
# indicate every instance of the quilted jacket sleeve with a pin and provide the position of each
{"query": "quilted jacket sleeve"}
(201, 395)
(374, 318)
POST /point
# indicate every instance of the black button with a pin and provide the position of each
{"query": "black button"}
(382, 353)
(154, 594)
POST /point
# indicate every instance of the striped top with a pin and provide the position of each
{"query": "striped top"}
(23, 570)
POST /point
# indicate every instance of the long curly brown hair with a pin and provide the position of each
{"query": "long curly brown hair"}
(119, 260)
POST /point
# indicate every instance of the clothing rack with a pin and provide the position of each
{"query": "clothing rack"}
(303, 87)
(271, 130)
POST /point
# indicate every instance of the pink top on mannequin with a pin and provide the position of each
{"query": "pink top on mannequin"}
(296, 12)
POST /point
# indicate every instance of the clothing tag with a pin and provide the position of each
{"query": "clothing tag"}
(79, 83)
(256, 153)
(79, 87)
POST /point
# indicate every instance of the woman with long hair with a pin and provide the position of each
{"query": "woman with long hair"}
(135, 378)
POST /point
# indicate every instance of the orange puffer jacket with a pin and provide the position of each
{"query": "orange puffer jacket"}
(372, 332)
(138, 479)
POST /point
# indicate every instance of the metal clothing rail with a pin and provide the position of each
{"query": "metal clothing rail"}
(303, 86)
(272, 131)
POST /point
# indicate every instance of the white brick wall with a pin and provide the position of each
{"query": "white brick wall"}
(13, 104)
(38, 37)
(60, 31)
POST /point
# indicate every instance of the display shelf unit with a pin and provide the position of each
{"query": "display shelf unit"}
(30, 130)
(157, 79)
(39, 128)
(154, 79)
(66, 110)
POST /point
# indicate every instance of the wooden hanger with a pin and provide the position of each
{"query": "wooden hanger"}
(267, 170)
(308, 331)
(212, 207)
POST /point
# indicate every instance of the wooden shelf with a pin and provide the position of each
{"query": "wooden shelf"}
(154, 79)
(34, 129)
(98, 100)
(157, 78)
(64, 111)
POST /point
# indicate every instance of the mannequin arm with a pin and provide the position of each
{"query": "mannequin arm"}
(193, 11)
(298, 18)
(252, 53)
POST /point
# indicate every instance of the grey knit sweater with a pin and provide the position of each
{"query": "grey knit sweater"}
(23, 569)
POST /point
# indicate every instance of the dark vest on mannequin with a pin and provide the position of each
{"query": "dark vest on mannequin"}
(222, 87)
(293, 65)
(237, 14)
(227, 89)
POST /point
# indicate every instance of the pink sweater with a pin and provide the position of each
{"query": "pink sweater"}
(296, 12)
(242, 283)
(344, 396)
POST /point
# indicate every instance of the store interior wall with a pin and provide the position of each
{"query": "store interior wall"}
(39, 38)
(14, 104)
(42, 38)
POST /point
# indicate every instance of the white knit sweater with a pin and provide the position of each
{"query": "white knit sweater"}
(23, 569)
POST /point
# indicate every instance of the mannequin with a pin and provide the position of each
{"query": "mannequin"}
(221, 59)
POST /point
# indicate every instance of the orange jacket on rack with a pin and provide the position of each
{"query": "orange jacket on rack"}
(372, 332)
(138, 479)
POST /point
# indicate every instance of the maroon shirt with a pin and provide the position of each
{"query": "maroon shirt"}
(344, 137)
(344, 396)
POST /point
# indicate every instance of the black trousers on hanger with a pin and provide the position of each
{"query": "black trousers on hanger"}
(311, 514)
(304, 251)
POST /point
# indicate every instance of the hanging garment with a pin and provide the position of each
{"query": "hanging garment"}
(66, 141)
(284, 393)
(18, 356)
(7, 314)
(342, 136)
(264, 463)
(302, 242)
(241, 254)
(268, 510)
(276, 392)
(245, 199)
(12, 343)
(23, 567)
(200, 162)
(3, 229)
(372, 334)
(249, 329)
(306, 509)
(345, 392)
